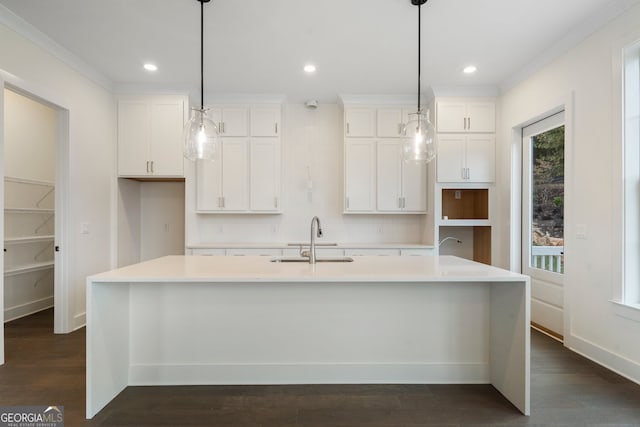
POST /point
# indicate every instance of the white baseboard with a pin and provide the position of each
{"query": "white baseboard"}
(610, 360)
(22, 310)
(335, 373)
(79, 321)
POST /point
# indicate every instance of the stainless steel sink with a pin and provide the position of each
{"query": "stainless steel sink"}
(300, 259)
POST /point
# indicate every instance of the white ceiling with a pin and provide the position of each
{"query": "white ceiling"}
(359, 46)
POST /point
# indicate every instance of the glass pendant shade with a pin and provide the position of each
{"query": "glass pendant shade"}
(200, 136)
(419, 138)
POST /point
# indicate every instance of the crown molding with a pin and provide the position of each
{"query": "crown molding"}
(35, 36)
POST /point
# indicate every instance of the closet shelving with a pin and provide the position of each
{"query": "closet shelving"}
(29, 241)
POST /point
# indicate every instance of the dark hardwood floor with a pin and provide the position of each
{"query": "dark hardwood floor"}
(567, 390)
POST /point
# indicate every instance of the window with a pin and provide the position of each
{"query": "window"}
(631, 119)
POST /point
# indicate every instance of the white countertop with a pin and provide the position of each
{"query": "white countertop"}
(366, 269)
(284, 245)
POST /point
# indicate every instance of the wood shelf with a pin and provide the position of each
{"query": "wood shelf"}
(465, 203)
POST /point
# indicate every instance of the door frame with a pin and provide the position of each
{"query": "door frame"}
(63, 318)
(566, 103)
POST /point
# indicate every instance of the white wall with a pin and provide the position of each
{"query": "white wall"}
(312, 143)
(91, 155)
(30, 138)
(587, 76)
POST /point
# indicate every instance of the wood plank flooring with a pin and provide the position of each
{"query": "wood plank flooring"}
(567, 390)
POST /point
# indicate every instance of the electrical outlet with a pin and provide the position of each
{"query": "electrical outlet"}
(84, 228)
(457, 195)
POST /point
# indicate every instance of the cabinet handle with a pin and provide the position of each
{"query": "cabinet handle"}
(399, 128)
(276, 126)
(469, 123)
(275, 202)
(468, 173)
(223, 201)
(404, 203)
(400, 202)
(151, 166)
(347, 202)
(347, 128)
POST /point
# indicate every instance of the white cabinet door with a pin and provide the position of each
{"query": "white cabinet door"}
(359, 175)
(466, 116)
(134, 121)
(221, 185)
(451, 116)
(234, 175)
(264, 170)
(414, 187)
(167, 123)
(265, 121)
(481, 117)
(389, 176)
(450, 160)
(231, 121)
(209, 184)
(466, 158)
(480, 158)
(359, 122)
(390, 122)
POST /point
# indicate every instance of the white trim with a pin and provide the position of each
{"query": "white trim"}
(37, 37)
(628, 311)
(2, 86)
(29, 181)
(26, 309)
(79, 321)
(610, 360)
(309, 373)
(573, 38)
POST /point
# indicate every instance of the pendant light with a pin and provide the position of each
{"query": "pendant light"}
(419, 138)
(200, 133)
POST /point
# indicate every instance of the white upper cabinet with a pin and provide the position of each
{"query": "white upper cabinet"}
(150, 136)
(264, 171)
(246, 176)
(466, 158)
(231, 121)
(359, 175)
(390, 122)
(222, 184)
(401, 186)
(265, 121)
(466, 116)
(359, 122)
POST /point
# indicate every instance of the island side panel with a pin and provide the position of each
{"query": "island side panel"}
(107, 343)
(511, 341)
(283, 333)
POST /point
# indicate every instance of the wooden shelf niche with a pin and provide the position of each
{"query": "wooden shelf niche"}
(468, 209)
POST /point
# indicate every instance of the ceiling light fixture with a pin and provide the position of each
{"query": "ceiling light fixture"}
(419, 138)
(309, 68)
(469, 69)
(200, 133)
(150, 67)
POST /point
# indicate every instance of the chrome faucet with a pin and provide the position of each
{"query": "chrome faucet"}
(315, 223)
(449, 238)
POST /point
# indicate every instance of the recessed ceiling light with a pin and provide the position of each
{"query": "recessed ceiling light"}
(150, 67)
(309, 68)
(470, 69)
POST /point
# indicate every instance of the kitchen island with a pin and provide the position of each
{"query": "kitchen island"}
(182, 320)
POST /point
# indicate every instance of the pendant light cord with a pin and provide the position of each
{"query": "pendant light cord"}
(201, 54)
(419, 40)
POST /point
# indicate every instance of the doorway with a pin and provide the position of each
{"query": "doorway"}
(34, 147)
(543, 197)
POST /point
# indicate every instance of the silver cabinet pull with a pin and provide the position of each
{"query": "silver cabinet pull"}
(347, 128)
(151, 166)
(347, 202)
(469, 122)
(404, 203)
(468, 173)
(147, 166)
(400, 202)
(276, 126)
(223, 201)
(275, 202)
(399, 128)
